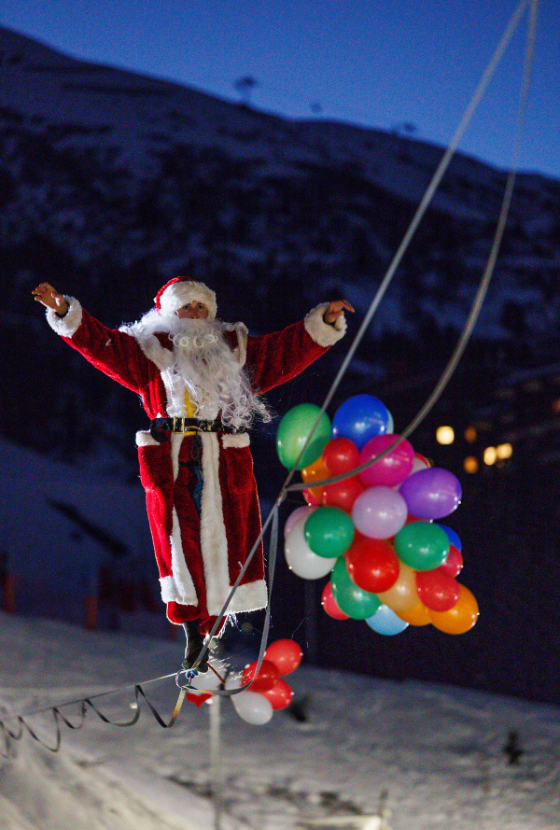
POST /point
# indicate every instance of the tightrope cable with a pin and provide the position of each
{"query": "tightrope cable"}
(87, 703)
(478, 301)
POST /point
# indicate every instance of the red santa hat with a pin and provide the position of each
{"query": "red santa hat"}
(181, 291)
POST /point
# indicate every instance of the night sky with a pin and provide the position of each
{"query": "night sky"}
(379, 64)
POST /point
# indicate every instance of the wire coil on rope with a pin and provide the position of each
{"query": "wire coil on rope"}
(272, 519)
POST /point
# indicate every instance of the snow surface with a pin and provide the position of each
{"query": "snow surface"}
(436, 750)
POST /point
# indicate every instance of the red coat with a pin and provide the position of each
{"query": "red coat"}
(199, 557)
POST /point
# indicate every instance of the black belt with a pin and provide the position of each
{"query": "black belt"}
(160, 427)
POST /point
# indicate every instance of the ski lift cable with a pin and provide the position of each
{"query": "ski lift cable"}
(421, 210)
(426, 199)
(272, 517)
(417, 218)
(484, 283)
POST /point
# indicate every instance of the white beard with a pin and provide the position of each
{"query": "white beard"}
(207, 367)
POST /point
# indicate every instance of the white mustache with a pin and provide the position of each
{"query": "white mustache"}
(198, 341)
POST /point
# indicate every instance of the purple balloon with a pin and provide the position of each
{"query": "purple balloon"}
(432, 493)
(379, 512)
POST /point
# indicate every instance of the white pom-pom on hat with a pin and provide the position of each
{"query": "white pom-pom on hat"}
(181, 291)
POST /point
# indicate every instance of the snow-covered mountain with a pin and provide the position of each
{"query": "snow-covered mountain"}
(112, 182)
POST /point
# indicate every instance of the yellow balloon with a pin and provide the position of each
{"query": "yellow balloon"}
(459, 619)
(403, 595)
(415, 616)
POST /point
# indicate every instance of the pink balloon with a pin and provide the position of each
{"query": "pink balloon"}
(379, 512)
(393, 468)
(298, 513)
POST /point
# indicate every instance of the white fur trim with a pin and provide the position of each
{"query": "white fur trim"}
(69, 324)
(323, 333)
(182, 579)
(182, 293)
(213, 541)
(144, 439)
(249, 597)
(236, 441)
(170, 592)
(242, 333)
(152, 348)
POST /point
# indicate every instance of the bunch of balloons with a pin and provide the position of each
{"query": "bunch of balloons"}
(377, 533)
(268, 692)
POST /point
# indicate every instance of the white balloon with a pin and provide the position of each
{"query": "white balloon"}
(205, 682)
(233, 681)
(301, 559)
(253, 707)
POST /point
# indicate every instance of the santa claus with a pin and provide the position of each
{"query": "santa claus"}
(199, 381)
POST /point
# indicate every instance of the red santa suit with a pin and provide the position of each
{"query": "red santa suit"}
(199, 555)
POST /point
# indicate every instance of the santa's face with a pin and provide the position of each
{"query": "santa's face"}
(193, 311)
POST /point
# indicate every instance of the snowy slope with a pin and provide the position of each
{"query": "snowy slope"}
(61, 529)
(113, 182)
(436, 750)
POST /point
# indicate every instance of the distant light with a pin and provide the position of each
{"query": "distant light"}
(470, 464)
(445, 435)
(490, 455)
(504, 451)
(556, 405)
(471, 435)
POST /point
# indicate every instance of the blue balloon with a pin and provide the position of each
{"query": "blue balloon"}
(386, 622)
(452, 536)
(360, 418)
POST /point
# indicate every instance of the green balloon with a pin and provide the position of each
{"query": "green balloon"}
(422, 546)
(293, 431)
(329, 531)
(354, 601)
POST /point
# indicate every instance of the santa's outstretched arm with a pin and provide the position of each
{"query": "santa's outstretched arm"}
(278, 357)
(113, 352)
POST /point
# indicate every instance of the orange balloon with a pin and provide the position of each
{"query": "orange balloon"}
(415, 616)
(403, 594)
(459, 619)
(318, 471)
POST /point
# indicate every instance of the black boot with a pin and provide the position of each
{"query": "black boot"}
(195, 644)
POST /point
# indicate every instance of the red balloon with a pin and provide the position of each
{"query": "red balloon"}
(372, 564)
(437, 589)
(330, 606)
(343, 494)
(266, 679)
(285, 655)
(341, 455)
(310, 497)
(198, 699)
(453, 564)
(280, 695)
